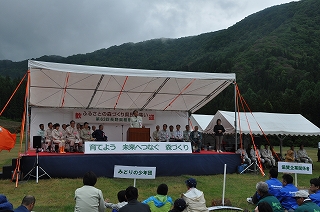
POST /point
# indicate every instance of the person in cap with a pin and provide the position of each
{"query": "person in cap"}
(265, 196)
(194, 198)
(286, 194)
(160, 202)
(315, 190)
(5, 205)
(179, 205)
(27, 204)
(305, 203)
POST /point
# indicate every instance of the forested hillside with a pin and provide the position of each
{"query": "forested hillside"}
(275, 54)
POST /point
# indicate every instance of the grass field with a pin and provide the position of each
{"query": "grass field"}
(57, 194)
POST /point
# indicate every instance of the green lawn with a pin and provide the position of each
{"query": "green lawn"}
(57, 194)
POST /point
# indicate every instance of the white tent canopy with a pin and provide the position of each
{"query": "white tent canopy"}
(77, 86)
(270, 123)
(202, 121)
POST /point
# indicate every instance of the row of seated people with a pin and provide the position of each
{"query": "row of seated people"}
(268, 156)
(177, 135)
(70, 137)
(283, 195)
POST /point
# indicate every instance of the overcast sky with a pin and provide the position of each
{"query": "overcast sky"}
(33, 28)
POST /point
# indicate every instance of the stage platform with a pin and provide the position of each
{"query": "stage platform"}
(74, 165)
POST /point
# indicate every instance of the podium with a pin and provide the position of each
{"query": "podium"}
(138, 134)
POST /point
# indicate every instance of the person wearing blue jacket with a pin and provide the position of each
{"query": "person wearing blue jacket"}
(160, 202)
(274, 186)
(315, 190)
(286, 195)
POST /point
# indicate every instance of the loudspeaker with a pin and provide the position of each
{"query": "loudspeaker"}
(36, 142)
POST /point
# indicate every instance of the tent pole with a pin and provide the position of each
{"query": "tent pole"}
(281, 141)
(27, 128)
(235, 116)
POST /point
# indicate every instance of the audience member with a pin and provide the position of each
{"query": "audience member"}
(164, 134)
(243, 155)
(122, 201)
(179, 205)
(196, 138)
(64, 131)
(73, 136)
(89, 198)
(263, 207)
(194, 198)
(265, 196)
(178, 134)
(99, 134)
(156, 134)
(218, 130)
(315, 190)
(136, 120)
(133, 204)
(48, 135)
(27, 204)
(5, 205)
(186, 134)
(57, 138)
(291, 155)
(255, 155)
(303, 156)
(41, 132)
(160, 202)
(286, 194)
(274, 186)
(305, 204)
(267, 156)
(85, 134)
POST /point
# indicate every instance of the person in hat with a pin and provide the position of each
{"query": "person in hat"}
(265, 196)
(160, 202)
(305, 203)
(179, 205)
(194, 198)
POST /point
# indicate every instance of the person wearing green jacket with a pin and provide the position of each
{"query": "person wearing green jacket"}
(265, 196)
(161, 202)
(305, 203)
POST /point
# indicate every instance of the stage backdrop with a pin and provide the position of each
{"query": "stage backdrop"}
(113, 129)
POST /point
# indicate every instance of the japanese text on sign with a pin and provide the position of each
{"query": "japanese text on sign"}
(97, 147)
(300, 168)
(134, 172)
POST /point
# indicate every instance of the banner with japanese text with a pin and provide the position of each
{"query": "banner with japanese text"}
(299, 168)
(108, 116)
(99, 147)
(134, 172)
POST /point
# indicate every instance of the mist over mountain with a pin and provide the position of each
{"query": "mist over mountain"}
(275, 54)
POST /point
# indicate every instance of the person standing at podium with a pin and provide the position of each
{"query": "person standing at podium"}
(135, 120)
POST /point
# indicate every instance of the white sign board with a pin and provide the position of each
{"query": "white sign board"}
(298, 168)
(134, 172)
(107, 116)
(108, 147)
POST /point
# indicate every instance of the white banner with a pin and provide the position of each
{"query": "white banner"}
(299, 168)
(134, 172)
(108, 116)
(99, 147)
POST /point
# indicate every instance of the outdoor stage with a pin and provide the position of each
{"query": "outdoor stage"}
(74, 165)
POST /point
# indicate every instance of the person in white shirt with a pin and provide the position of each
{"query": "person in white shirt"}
(164, 134)
(186, 134)
(88, 198)
(178, 134)
(122, 201)
(72, 135)
(57, 138)
(156, 134)
(267, 156)
(48, 137)
(244, 155)
(256, 154)
(302, 155)
(171, 134)
(135, 120)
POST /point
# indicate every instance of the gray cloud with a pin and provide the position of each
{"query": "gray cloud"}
(35, 28)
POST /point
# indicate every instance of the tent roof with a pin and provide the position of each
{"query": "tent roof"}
(200, 120)
(79, 86)
(270, 123)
